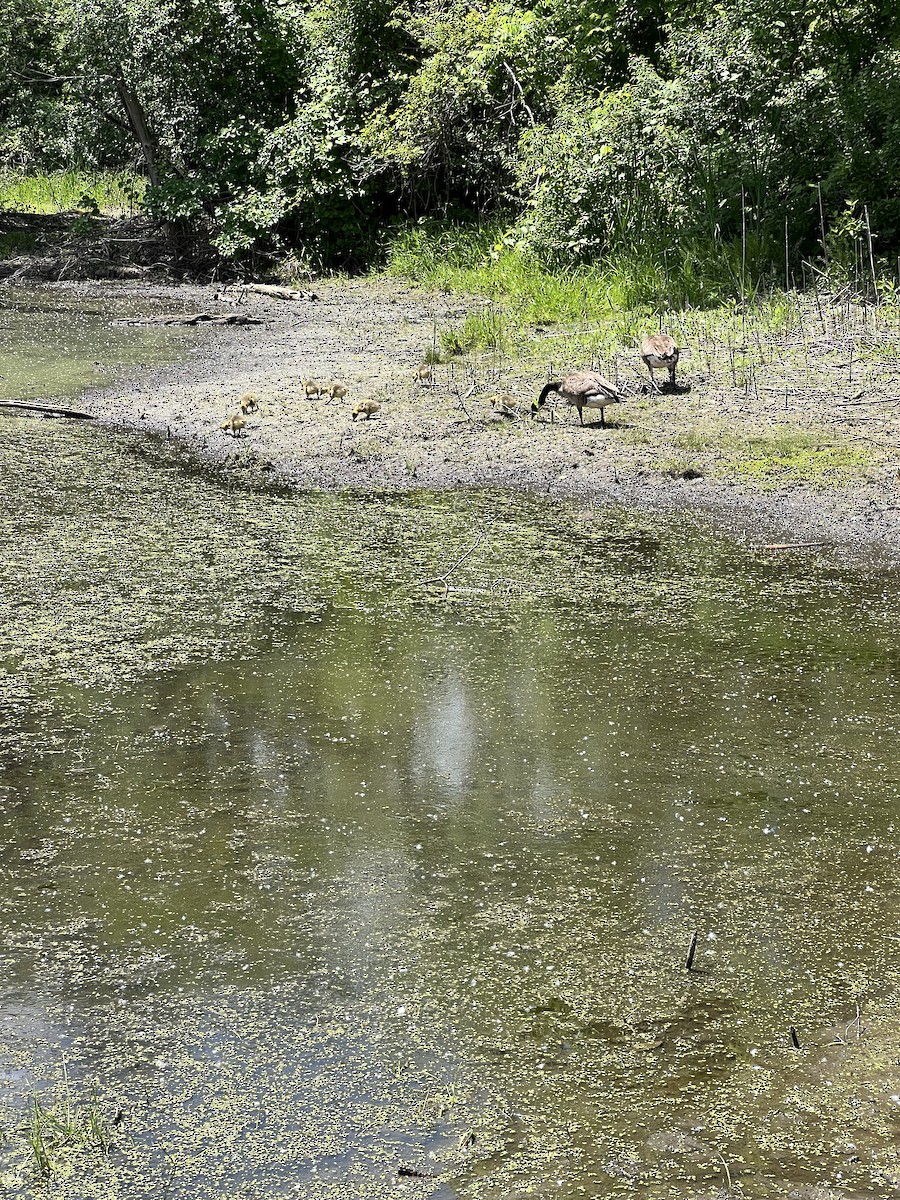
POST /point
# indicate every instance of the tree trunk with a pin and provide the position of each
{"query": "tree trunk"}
(138, 123)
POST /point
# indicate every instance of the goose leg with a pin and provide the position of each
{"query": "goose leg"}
(653, 382)
(672, 378)
(580, 414)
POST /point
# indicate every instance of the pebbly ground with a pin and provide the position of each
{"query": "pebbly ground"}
(372, 336)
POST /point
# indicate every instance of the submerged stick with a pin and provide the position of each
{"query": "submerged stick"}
(692, 951)
(721, 1157)
(48, 410)
(462, 558)
(795, 1041)
(791, 545)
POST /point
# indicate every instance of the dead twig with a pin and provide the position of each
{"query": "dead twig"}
(461, 401)
(462, 558)
(48, 410)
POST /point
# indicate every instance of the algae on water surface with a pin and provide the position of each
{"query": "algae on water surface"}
(314, 873)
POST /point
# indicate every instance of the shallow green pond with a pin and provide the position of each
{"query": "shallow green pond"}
(315, 881)
(59, 339)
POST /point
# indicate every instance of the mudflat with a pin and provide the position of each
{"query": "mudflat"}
(777, 458)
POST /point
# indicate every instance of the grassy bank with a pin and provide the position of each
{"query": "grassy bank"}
(787, 388)
(113, 193)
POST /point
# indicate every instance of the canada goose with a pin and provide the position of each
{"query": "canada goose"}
(249, 402)
(337, 391)
(659, 350)
(233, 424)
(424, 374)
(312, 388)
(582, 389)
(367, 408)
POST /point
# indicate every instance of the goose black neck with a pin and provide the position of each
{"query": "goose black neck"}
(551, 387)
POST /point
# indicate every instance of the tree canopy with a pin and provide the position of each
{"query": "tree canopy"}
(592, 127)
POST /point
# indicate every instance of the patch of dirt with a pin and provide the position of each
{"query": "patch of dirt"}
(372, 335)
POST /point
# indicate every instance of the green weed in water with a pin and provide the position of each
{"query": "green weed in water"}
(56, 1130)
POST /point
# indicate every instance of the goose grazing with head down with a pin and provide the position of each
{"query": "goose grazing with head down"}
(582, 389)
(659, 350)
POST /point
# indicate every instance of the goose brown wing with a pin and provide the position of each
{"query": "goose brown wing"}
(659, 345)
(587, 385)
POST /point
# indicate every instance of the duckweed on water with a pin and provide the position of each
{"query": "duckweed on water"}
(315, 874)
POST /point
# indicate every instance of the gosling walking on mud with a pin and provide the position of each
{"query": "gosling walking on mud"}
(234, 424)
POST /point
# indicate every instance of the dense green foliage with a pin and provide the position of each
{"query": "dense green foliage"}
(702, 142)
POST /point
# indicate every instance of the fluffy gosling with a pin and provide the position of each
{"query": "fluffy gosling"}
(249, 403)
(337, 391)
(234, 423)
(312, 389)
(366, 408)
(507, 406)
(424, 374)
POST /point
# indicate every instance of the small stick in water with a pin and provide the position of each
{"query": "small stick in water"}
(692, 951)
(795, 1041)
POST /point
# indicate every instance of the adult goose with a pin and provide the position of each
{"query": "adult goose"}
(581, 389)
(660, 350)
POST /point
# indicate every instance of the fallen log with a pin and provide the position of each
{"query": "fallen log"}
(48, 410)
(792, 545)
(269, 289)
(202, 318)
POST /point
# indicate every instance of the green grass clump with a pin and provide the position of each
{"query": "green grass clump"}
(784, 455)
(816, 466)
(483, 261)
(55, 1131)
(115, 193)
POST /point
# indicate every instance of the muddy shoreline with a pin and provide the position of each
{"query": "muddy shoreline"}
(371, 335)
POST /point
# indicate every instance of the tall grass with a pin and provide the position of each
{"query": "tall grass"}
(57, 1129)
(621, 294)
(115, 193)
(700, 294)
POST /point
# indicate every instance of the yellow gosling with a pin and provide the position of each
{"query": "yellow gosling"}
(366, 408)
(233, 424)
(507, 406)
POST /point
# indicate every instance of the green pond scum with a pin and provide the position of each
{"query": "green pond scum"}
(352, 846)
(56, 342)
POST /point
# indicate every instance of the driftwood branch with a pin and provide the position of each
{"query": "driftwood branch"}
(202, 318)
(446, 575)
(269, 289)
(47, 410)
